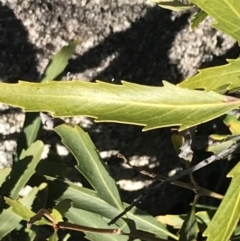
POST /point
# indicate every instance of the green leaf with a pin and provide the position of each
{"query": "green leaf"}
(88, 200)
(53, 166)
(23, 170)
(89, 163)
(32, 123)
(197, 19)
(225, 12)
(60, 61)
(29, 134)
(64, 206)
(222, 142)
(88, 219)
(81, 197)
(4, 173)
(218, 137)
(146, 222)
(189, 230)
(227, 216)
(233, 123)
(151, 107)
(24, 212)
(57, 216)
(177, 140)
(19, 209)
(176, 221)
(174, 5)
(9, 220)
(31, 233)
(220, 79)
(220, 146)
(53, 237)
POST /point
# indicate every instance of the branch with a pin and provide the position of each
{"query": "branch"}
(221, 155)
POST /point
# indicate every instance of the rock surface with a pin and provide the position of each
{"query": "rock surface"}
(132, 40)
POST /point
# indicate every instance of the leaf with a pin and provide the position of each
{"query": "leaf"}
(222, 144)
(218, 137)
(60, 61)
(24, 212)
(218, 147)
(88, 219)
(4, 173)
(227, 216)
(63, 206)
(32, 123)
(176, 221)
(23, 170)
(177, 140)
(29, 134)
(220, 79)
(225, 12)
(82, 217)
(56, 215)
(53, 237)
(89, 163)
(19, 209)
(53, 166)
(151, 107)
(189, 230)
(9, 220)
(233, 123)
(174, 5)
(197, 19)
(82, 198)
(146, 222)
(31, 233)
(88, 200)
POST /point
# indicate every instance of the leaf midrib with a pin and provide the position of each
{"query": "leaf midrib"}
(181, 105)
(99, 173)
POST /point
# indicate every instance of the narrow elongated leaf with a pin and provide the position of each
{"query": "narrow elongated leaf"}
(32, 123)
(9, 220)
(23, 169)
(29, 134)
(53, 237)
(203, 218)
(174, 5)
(89, 163)
(88, 200)
(56, 215)
(233, 123)
(197, 19)
(189, 230)
(53, 166)
(82, 217)
(220, 146)
(146, 222)
(19, 208)
(225, 12)
(63, 206)
(60, 61)
(24, 212)
(82, 198)
(220, 79)
(4, 174)
(227, 216)
(151, 107)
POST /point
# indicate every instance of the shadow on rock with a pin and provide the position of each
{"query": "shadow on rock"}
(17, 54)
(141, 52)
